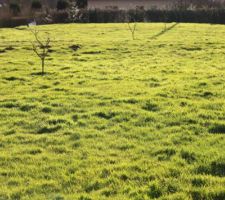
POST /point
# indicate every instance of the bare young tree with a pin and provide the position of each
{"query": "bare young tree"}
(41, 48)
(165, 23)
(165, 26)
(132, 27)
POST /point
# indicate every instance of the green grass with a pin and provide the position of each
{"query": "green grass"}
(116, 119)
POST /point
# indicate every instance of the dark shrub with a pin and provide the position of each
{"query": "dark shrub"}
(60, 17)
(12, 22)
(81, 3)
(15, 8)
(214, 16)
(36, 5)
(62, 4)
(196, 16)
(137, 15)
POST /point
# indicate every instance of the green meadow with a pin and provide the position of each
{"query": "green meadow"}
(113, 118)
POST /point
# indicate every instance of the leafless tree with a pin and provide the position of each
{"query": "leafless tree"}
(132, 27)
(165, 26)
(41, 48)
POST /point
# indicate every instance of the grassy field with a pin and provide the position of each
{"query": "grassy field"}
(117, 119)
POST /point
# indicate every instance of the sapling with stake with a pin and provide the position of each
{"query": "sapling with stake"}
(165, 26)
(165, 23)
(41, 48)
(132, 28)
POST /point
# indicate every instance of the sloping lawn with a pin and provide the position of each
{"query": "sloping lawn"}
(113, 118)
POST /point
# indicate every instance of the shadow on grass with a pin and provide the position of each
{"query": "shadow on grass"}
(164, 31)
(46, 129)
(41, 74)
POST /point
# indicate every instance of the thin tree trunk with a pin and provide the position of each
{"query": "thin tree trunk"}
(43, 66)
(133, 35)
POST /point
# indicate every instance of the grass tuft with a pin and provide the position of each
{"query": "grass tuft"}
(151, 106)
(49, 129)
(217, 129)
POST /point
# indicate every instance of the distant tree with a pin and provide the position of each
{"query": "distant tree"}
(165, 22)
(181, 4)
(132, 27)
(73, 11)
(41, 48)
(62, 4)
(36, 5)
(15, 8)
(81, 4)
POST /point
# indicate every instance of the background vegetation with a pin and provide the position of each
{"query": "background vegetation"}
(215, 16)
(113, 118)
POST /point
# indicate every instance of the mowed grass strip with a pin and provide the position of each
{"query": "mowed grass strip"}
(113, 118)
